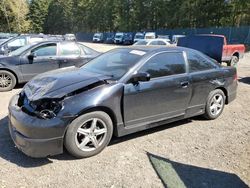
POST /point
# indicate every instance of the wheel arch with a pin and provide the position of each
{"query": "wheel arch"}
(237, 54)
(11, 71)
(107, 110)
(225, 93)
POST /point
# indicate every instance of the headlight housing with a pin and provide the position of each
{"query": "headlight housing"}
(47, 108)
(44, 108)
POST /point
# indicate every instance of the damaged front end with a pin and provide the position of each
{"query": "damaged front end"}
(44, 108)
(48, 108)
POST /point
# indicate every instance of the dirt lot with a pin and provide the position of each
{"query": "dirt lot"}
(188, 153)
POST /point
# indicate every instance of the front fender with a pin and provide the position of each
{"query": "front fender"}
(13, 70)
(103, 97)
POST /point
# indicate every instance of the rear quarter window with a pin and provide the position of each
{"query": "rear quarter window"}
(199, 63)
(69, 49)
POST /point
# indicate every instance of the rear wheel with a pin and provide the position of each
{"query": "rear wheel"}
(7, 80)
(215, 104)
(233, 62)
(89, 134)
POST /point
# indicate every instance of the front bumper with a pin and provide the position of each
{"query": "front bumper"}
(33, 136)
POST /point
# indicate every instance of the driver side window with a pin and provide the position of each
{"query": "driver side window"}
(45, 50)
(165, 64)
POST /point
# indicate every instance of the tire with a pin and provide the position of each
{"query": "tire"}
(7, 81)
(214, 104)
(234, 61)
(88, 134)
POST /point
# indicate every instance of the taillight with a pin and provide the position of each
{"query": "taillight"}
(235, 77)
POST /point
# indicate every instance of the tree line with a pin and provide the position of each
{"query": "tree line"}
(71, 16)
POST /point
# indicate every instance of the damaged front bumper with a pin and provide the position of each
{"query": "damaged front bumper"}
(33, 136)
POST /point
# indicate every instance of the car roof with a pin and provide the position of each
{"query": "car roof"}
(149, 49)
(51, 41)
(212, 35)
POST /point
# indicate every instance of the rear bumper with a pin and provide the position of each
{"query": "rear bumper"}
(231, 97)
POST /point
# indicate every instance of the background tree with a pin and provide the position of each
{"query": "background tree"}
(60, 17)
(13, 16)
(38, 12)
(64, 16)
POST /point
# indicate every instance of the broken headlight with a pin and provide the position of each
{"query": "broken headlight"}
(47, 108)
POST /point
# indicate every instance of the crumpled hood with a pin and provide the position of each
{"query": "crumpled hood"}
(58, 83)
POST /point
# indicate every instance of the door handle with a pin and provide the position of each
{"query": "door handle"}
(184, 84)
(64, 61)
(52, 58)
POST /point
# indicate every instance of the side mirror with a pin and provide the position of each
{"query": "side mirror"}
(140, 77)
(5, 50)
(31, 56)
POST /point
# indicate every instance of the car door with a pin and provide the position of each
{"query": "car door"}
(69, 54)
(205, 75)
(166, 95)
(44, 58)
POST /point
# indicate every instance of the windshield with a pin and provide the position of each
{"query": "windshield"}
(19, 51)
(115, 63)
(139, 36)
(118, 36)
(97, 35)
(142, 42)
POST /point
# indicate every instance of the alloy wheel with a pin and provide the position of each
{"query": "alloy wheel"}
(5, 80)
(216, 104)
(91, 134)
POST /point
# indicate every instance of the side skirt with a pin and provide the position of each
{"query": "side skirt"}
(122, 130)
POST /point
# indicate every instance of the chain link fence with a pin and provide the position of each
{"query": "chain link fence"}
(234, 34)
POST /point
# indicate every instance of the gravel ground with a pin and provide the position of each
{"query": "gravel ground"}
(188, 153)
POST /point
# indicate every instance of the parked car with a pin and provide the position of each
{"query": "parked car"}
(110, 38)
(175, 38)
(120, 92)
(128, 38)
(163, 37)
(215, 44)
(26, 62)
(149, 42)
(119, 38)
(98, 37)
(70, 37)
(138, 37)
(150, 35)
(3, 40)
(20, 41)
(7, 35)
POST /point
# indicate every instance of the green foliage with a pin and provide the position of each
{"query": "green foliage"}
(64, 16)
(38, 12)
(60, 17)
(13, 16)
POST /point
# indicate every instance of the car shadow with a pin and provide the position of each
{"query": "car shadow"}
(117, 140)
(245, 80)
(10, 153)
(175, 174)
(19, 86)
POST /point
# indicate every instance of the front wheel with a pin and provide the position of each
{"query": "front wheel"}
(89, 134)
(215, 104)
(7, 80)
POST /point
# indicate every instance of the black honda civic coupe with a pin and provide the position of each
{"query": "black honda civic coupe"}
(120, 92)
